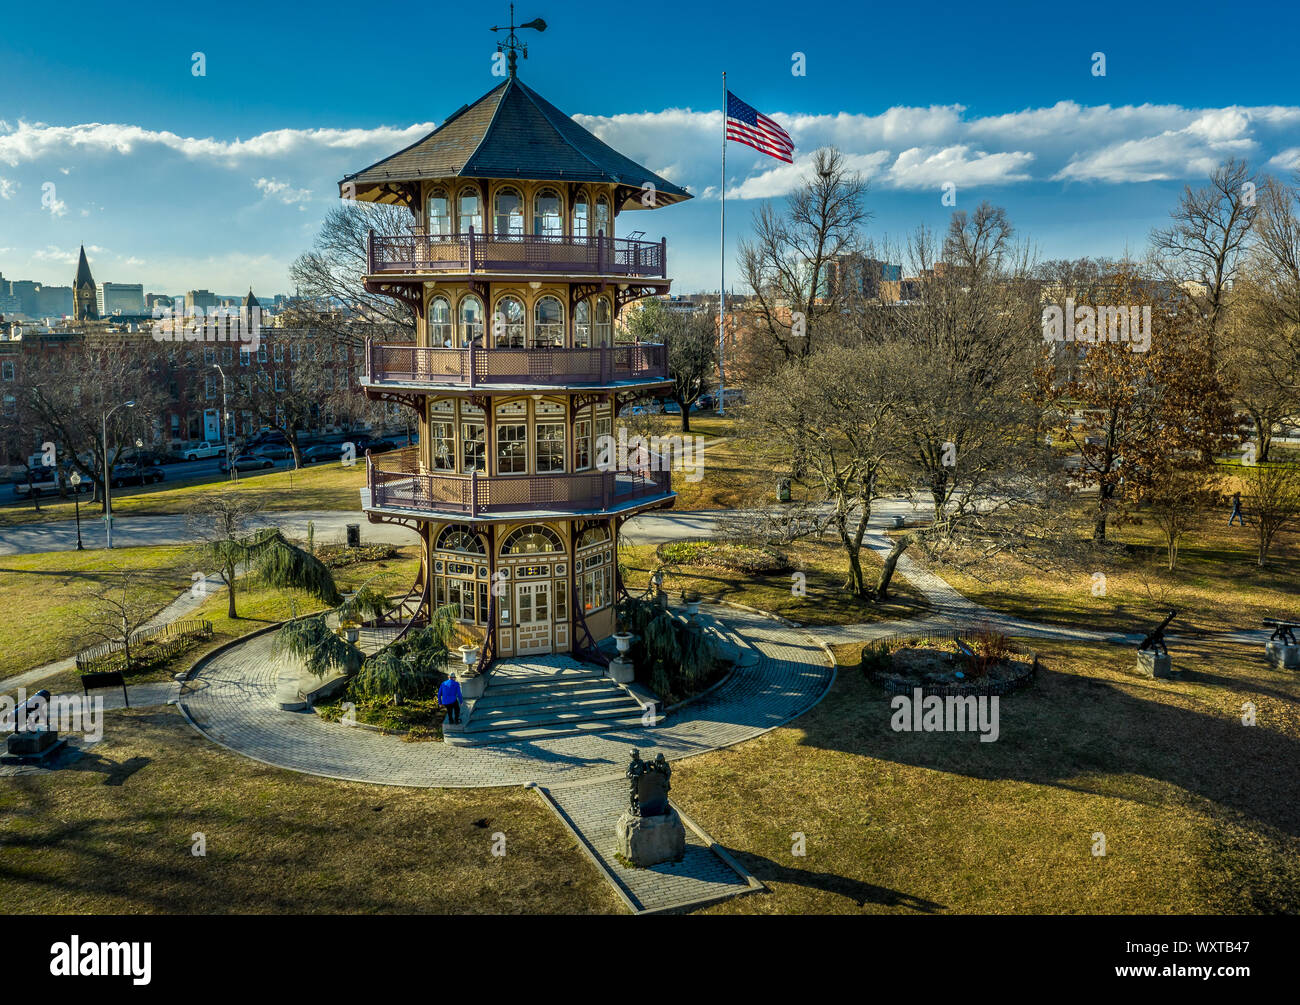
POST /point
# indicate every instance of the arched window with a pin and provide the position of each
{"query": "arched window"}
(582, 325)
(548, 213)
(592, 536)
(437, 215)
(533, 539)
(581, 212)
(508, 323)
(458, 537)
(604, 323)
(439, 322)
(548, 323)
(471, 321)
(602, 217)
(469, 212)
(508, 213)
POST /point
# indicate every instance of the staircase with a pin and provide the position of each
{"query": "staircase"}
(537, 698)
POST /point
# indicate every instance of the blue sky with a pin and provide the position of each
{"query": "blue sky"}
(219, 181)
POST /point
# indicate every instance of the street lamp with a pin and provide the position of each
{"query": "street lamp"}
(107, 474)
(225, 418)
(74, 480)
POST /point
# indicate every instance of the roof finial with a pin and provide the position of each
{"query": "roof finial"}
(512, 46)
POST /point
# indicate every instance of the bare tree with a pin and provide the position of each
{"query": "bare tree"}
(328, 277)
(788, 260)
(1206, 241)
(1272, 502)
(117, 611)
(692, 350)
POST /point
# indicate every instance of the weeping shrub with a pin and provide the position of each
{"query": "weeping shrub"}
(412, 667)
(364, 601)
(697, 658)
(319, 648)
(282, 564)
(660, 682)
(661, 640)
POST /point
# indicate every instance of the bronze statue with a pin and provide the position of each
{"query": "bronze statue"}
(648, 785)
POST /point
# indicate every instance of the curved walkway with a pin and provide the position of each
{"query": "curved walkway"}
(232, 700)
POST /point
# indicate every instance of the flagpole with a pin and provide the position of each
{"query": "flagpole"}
(722, 265)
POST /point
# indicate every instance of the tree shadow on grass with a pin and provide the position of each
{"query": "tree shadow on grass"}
(771, 871)
(1067, 726)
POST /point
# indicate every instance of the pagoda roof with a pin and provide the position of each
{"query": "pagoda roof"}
(511, 132)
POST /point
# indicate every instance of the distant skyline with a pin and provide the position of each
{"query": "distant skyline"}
(219, 181)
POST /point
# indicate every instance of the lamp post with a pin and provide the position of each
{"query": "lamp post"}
(108, 474)
(225, 418)
(74, 480)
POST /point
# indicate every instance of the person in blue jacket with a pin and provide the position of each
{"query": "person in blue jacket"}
(449, 699)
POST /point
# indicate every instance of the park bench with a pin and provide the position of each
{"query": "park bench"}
(104, 678)
(1283, 631)
(1281, 647)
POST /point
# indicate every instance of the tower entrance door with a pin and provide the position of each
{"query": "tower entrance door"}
(534, 617)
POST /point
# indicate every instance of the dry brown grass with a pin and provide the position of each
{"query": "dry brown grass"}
(1200, 813)
(112, 835)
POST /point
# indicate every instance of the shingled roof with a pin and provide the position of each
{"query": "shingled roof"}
(511, 132)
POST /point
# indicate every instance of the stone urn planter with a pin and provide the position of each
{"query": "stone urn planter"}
(692, 602)
(351, 630)
(469, 656)
(623, 640)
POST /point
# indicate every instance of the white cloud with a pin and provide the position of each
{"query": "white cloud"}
(920, 147)
(7, 188)
(1287, 160)
(273, 188)
(32, 141)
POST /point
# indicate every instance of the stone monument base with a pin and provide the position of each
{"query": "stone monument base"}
(472, 685)
(621, 671)
(32, 743)
(1151, 664)
(1283, 655)
(647, 841)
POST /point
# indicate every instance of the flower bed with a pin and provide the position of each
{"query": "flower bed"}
(734, 556)
(937, 665)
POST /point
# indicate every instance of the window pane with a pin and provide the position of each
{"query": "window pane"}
(550, 447)
(438, 214)
(471, 213)
(471, 321)
(547, 218)
(508, 324)
(548, 326)
(580, 221)
(508, 214)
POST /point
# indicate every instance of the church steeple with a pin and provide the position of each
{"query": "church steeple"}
(85, 304)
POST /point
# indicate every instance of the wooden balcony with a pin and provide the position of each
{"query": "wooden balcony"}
(395, 482)
(542, 367)
(526, 254)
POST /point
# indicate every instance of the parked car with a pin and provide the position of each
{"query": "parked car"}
(323, 452)
(198, 450)
(145, 458)
(275, 451)
(267, 438)
(247, 462)
(374, 444)
(131, 474)
(671, 407)
(647, 408)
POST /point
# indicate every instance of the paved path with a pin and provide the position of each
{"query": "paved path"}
(232, 701)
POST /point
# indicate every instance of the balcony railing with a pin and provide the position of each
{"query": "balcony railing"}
(525, 253)
(397, 485)
(543, 366)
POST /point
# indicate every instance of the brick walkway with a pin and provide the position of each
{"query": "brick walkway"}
(232, 701)
(703, 875)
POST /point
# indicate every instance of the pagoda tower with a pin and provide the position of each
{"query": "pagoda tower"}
(515, 273)
(85, 302)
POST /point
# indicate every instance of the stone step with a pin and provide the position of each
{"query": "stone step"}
(534, 733)
(554, 714)
(549, 695)
(504, 686)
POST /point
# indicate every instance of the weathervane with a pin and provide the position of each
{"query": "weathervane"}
(512, 45)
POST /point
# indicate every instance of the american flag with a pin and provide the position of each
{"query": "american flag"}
(750, 126)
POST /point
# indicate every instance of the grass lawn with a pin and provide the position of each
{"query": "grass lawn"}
(57, 595)
(113, 835)
(318, 487)
(824, 603)
(46, 593)
(1216, 585)
(1197, 816)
